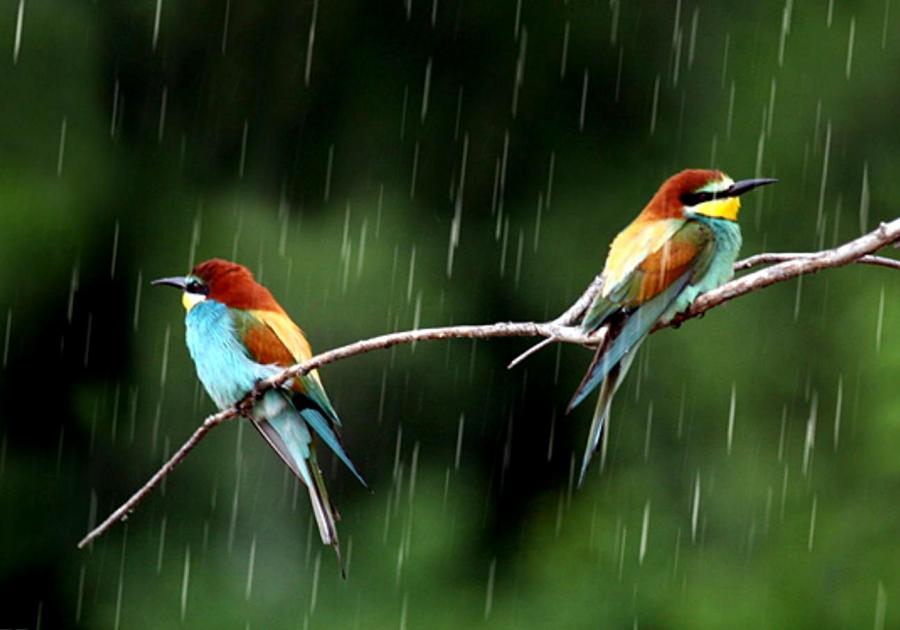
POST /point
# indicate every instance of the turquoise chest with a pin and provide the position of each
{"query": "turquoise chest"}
(716, 270)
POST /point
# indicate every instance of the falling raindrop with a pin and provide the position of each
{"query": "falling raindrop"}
(645, 529)
(412, 274)
(425, 90)
(156, 19)
(79, 601)
(880, 606)
(455, 224)
(810, 439)
(838, 406)
(565, 52)
(73, 287)
(17, 42)
(518, 20)
(622, 549)
(771, 109)
(812, 524)
(459, 441)
(250, 569)
(161, 126)
(730, 118)
(653, 111)
(695, 507)
(786, 15)
(614, 6)
(824, 181)
(185, 579)
(404, 608)
(160, 550)
(328, 170)
(137, 300)
(310, 43)
(61, 151)
(731, 413)
(649, 431)
(850, 42)
(520, 69)
(584, 91)
(403, 112)
(489, 595)
(164, 369)
(121, 583)
(314, 591)
(87, 338)
(415, 171)
(225, 25)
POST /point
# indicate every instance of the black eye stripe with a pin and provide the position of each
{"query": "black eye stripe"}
(692, 199)
(195, 287)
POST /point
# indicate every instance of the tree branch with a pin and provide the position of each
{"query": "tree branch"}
(561, 329)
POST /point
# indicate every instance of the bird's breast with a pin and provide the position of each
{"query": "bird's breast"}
(221, 359)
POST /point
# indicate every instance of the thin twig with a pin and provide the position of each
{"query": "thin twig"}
(768, 259)
(562, 329)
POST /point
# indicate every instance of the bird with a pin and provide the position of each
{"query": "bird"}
(238, 335)
(682, 244)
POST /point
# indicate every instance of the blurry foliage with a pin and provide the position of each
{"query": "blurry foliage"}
(122, 160)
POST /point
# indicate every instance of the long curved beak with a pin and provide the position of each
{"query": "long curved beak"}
(179, 282)
(746, 185)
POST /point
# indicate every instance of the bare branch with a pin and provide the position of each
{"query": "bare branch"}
(562, 329)
(769, 259)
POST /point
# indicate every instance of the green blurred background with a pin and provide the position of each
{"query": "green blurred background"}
(333, 147)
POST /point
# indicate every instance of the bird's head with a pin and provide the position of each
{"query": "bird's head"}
(222, 281)
(703, 192)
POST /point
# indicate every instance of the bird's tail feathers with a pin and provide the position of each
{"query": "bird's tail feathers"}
(623, 338)
(317, 420)
(600, 421)
(325, 513)
(287, 434)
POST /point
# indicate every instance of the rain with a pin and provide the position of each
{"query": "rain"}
(387, 168)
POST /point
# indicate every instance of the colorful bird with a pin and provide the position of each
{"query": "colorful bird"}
(683, 243)
(237, 335)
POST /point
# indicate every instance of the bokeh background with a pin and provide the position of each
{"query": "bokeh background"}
(382, 166)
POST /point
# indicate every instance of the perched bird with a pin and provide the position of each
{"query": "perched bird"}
(683, 243)
(237, 335)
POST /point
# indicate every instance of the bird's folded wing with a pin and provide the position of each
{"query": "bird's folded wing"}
(273, 338)
(632, 246)
(651, 272)
(687, 249)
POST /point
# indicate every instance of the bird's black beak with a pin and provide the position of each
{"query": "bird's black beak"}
(179, 282)
(746, 185)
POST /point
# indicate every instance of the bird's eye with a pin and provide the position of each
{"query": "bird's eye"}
(193, 286)
(695, 198)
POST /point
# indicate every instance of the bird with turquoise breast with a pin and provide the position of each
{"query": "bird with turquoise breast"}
(682, 244)
(238, 335)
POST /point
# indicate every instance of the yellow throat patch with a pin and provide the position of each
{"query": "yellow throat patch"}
(190, 300)
(726, 208)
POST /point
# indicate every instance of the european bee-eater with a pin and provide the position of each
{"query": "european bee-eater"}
(683, 243)
(237, 335)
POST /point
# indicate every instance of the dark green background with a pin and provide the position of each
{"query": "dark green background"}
(340, 194)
